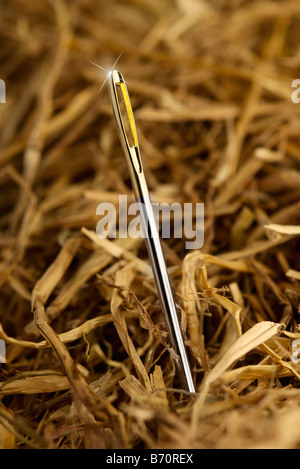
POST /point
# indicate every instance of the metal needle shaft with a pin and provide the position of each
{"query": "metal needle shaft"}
(128, 135)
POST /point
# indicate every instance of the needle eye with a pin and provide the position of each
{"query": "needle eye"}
(124, 117)
(126, 110)
(122, 101)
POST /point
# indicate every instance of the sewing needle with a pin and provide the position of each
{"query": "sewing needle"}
(129, 140)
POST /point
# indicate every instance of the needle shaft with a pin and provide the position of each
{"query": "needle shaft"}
(129, 140)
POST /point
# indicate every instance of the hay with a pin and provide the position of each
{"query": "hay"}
(88, 363)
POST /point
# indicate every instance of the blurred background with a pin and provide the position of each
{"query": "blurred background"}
(211, 90)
